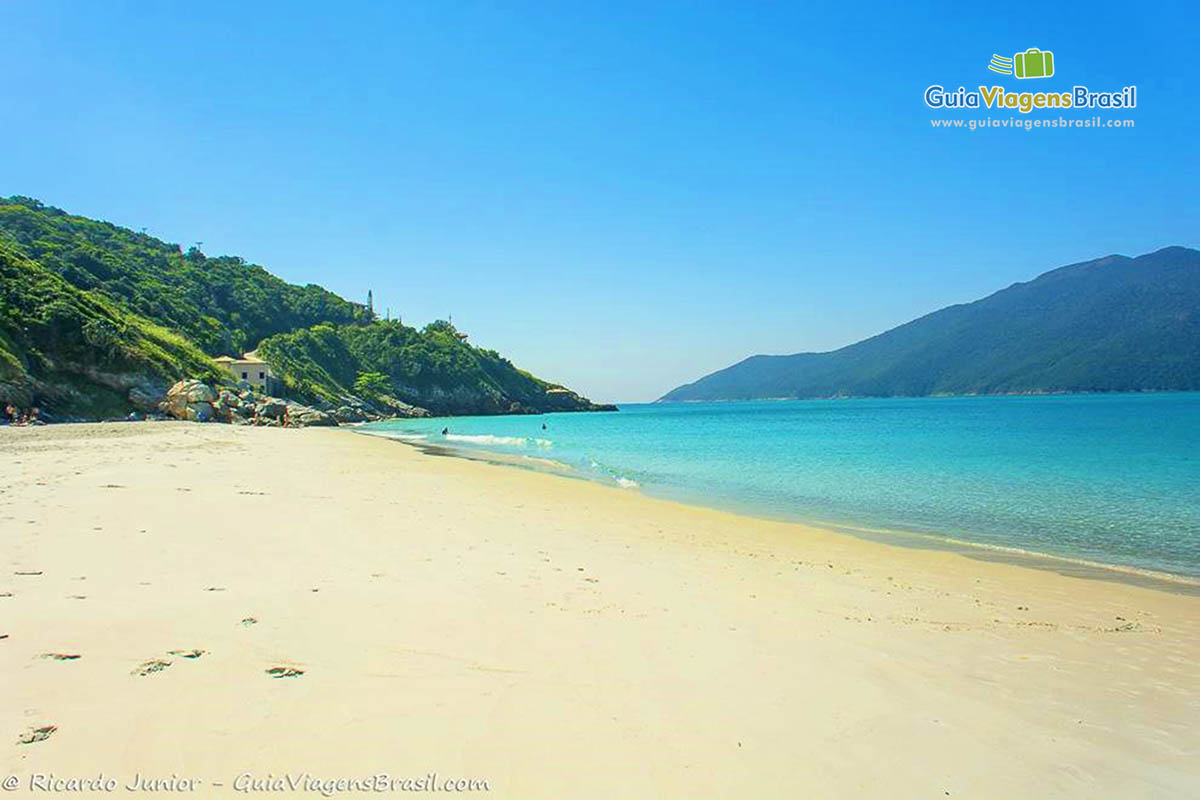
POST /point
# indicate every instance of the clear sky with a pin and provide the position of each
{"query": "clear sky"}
(622, 197)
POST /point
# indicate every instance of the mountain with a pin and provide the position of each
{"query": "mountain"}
(1113, 324)
(90, 312)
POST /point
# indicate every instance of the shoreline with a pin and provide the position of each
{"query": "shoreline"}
(212, 600)
(924, 540)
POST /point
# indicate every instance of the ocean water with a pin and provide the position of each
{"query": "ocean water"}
(1111, 478)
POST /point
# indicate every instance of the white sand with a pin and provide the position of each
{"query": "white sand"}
(557, 638)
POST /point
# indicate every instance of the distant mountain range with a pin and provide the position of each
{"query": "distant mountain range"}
(97, 320)
(1113, 324)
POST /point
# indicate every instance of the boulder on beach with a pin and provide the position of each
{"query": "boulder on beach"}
(200, 412)
(346, 414)
(189, 400)
(305, 416)
(271, 408)
(196, 401)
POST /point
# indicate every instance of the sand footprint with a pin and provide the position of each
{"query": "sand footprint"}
(151, 667)
(189, 654)
(37, 734)
(285, 672)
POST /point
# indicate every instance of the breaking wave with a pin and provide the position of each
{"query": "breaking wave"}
(486, 439)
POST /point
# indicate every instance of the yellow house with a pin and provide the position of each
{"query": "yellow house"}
(249, 368)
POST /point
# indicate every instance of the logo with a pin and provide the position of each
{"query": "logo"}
(1033, 63)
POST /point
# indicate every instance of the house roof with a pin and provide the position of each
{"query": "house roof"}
(249, 358)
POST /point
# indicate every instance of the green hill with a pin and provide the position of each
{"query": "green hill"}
(78, 352)
(222, 304)
(91, 310)
(1113, 324)
(432, 368)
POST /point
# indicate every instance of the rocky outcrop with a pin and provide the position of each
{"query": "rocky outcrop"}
(305, 416)
(147, 397)
(190, 400)
(200, 412)
(270, 408)
(346, 415)
(459, 399)
(486, 400)
(18, 390)
(352, 410)
(385, 406)
(71, 392)
(196, 401)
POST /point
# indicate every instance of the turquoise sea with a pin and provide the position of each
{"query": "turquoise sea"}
(1112, 478)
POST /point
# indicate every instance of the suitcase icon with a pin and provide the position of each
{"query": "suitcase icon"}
(1033, 63)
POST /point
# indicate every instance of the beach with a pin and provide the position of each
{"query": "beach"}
(551, 636)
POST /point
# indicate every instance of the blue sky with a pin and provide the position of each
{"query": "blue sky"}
(622, 197)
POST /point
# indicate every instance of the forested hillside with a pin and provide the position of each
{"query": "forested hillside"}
(92, 312)
(1113, 324)
(222, 304)
(77, 350)
(432, 368)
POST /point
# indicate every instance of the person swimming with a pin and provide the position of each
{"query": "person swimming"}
(445, 431)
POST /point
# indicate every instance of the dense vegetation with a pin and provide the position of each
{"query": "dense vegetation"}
(90, 310)
(1114, 324)
(78, 350)
(432, 368)
(222, 304)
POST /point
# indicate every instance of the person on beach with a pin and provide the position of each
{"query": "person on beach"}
(10, 414)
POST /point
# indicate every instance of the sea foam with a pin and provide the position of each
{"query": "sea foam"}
(487, 439)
